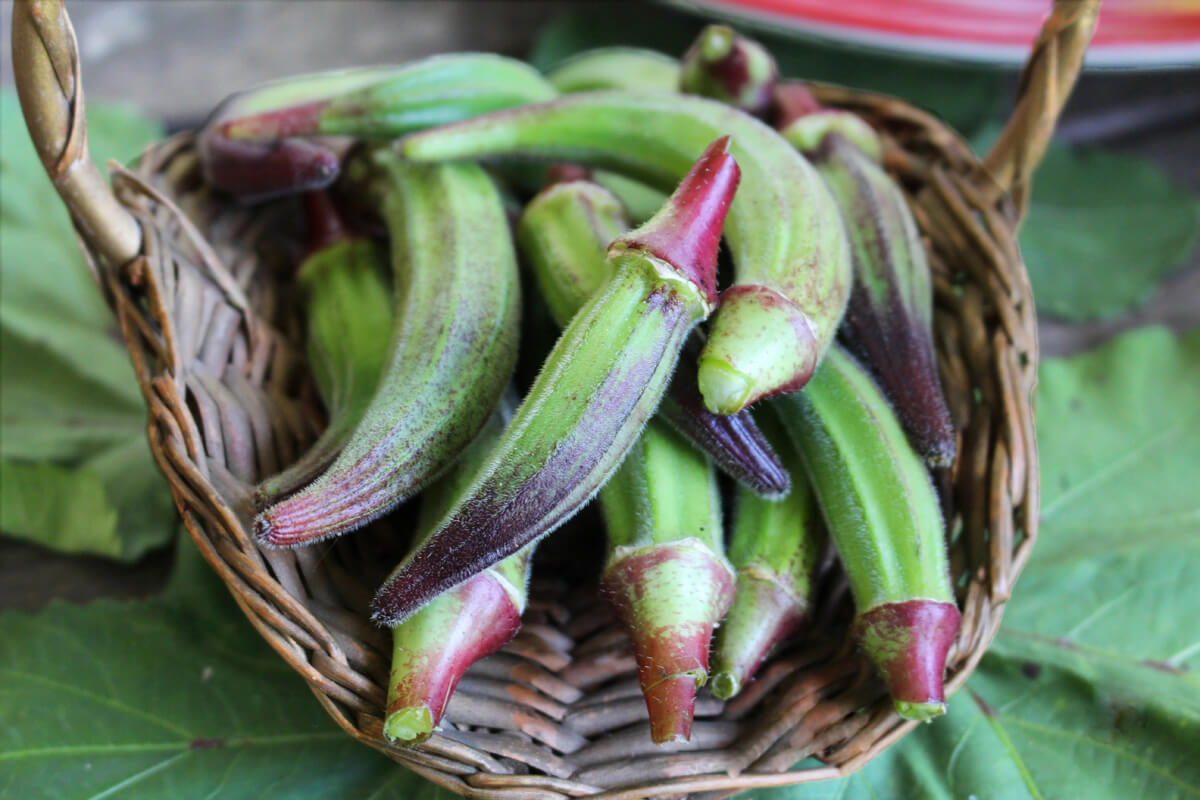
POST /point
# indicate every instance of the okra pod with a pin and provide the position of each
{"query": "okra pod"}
(434, 648)
(563, 233)
(599, 385)
(349, 321)
(775, 548)
(396, 100)
(452, 350)
(889, 318)
(789, 248)
(731, 69)
(666, 574)
(616, 68)
(883, 516)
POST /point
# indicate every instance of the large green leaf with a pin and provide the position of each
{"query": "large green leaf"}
(1103, 229)
(965, 96)
(175, 697)
(1090, 688)
(71, 414)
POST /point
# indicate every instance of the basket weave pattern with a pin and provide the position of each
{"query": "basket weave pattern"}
(203, 300)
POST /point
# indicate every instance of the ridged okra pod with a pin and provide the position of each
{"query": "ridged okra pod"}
(889, 319)
(789, 248)
(434, 648)
(731, 69)
(616, 68)
(564, 233)
(452, 350)
(775, 548)
(601, 382)
(666, 574)
(433, 91)
(884, 519)
(254, 144)
(349, 325)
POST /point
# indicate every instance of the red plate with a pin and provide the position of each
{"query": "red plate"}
(1130, 34)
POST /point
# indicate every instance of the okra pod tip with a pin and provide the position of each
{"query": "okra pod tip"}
(761, 345)
(730, 68)
(908, 643)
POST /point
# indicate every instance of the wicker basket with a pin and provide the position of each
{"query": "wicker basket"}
(194, 281)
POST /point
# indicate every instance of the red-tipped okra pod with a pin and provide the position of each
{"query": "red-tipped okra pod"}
(433, 91)
(349, 321)
(452, 349)
(433, 649)
(730, 68)
(260, 169)
(775, 547)
(889, 319)
(563, 234)
(789, 248)
(666, 574)
(599, 385)
(883, 516)
(253, 144)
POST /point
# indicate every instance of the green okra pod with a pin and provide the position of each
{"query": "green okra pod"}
(889, 318)
(434, 648)
(789, 248)
(260, 169)
(452, 349)
(349, 324)
(775, 548)
(396, 100)
(616, 68)
(883, 516)
(253, 145)
(564, 233)
(599, 385)
(666, 574)
(731, 69)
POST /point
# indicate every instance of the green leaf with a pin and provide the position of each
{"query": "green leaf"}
(1103, 229)
(1089, 689)
(966, 96)
(65, 508)
(1119, 544)
(72, 419)
(175, 697)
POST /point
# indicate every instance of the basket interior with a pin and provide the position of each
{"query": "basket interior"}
(214, 330)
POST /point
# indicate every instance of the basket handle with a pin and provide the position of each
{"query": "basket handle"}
(46, 69)
(1046, 82)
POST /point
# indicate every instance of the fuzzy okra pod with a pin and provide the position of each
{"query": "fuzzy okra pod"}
(775, 548)
(616, 68)
(884, 519)
(889, 318)
(789, 248)
(260, 169)
(434, 91)
(452, 349)
(601, 382)
(349, 324)
(666, 573)
(253, 145)
(730, 68)
(433, 649)
(563, 233)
